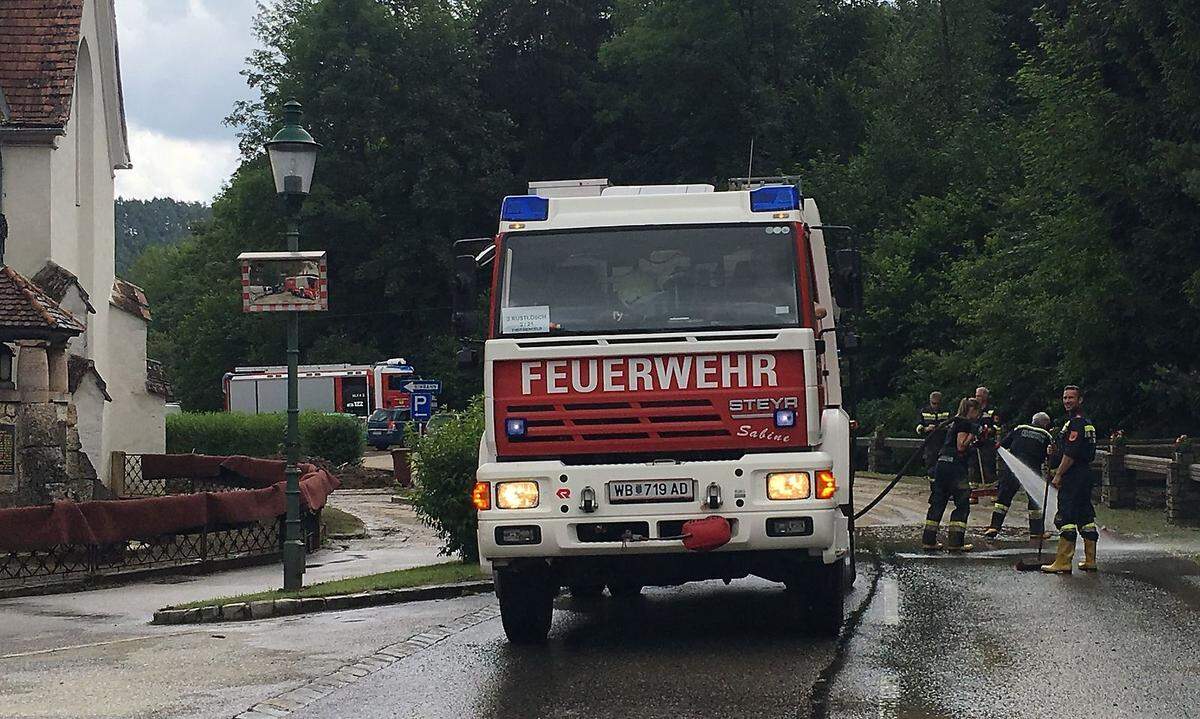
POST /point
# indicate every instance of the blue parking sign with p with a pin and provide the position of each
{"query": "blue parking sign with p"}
(422, 406)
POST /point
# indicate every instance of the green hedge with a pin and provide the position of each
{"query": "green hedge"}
(444, 463)
(337, 438)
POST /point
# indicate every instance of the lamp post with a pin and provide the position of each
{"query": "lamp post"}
(293, 154)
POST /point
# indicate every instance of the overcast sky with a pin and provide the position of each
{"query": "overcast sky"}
(180, 61)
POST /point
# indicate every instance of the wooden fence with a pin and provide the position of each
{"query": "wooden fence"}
(1124, 466)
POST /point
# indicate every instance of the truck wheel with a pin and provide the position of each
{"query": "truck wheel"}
(526, 604)
(623, 590)
(825, 598)
(587, 591)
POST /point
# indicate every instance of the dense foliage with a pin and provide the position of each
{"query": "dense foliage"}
(444, 463)
(1024, 175)
(336, 438)
(141, 224)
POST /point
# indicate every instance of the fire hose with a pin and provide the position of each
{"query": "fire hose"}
(904, 468)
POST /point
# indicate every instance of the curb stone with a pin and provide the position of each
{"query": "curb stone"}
(267, 608)
(354, 670)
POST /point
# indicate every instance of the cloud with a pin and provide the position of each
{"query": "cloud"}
(182, 168)
(180, 61)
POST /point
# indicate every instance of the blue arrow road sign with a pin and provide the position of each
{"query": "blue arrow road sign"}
(422, 385)
(422, 406)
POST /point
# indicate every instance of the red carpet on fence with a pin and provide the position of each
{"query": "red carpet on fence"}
(117, 520)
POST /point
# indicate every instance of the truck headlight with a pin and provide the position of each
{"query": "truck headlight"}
(787, 485)
(517, 495)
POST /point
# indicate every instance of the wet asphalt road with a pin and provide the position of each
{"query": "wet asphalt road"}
(927, 636)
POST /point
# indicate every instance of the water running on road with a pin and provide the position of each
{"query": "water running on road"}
(1033, 483)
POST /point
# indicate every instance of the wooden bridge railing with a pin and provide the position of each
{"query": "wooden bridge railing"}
(1119, 470)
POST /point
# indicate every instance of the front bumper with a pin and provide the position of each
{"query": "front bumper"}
(559, 516)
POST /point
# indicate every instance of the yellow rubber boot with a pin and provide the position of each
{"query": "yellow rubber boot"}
(1062, 558)
(1089, 556)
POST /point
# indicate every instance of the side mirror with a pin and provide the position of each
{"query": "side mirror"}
(462, 299)
(847, 279)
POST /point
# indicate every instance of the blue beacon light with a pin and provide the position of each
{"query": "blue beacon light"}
(515, 428)
(774, 198)
(524, 208)
(785, 418)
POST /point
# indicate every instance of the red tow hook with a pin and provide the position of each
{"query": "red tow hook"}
(705, 535)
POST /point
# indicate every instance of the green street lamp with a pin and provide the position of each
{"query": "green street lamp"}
(293, 154)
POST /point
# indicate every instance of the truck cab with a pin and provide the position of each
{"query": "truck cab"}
(663, 398)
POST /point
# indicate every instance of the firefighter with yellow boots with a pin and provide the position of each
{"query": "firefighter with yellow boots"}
(1028, 443)
(949, 481)
(1076, 448)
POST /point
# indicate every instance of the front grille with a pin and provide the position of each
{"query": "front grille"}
(637, 422)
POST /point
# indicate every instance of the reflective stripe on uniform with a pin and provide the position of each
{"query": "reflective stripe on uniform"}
(1036, 514)
(931, 523)
(1090, 525)
(1068, 527)
(956, 524)
(1000, 508)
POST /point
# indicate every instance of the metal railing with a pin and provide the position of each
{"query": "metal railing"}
(1121, 471)
(197, 548)
(128, 481)
(200, 548)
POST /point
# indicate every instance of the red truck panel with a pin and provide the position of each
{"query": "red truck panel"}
(650, 403)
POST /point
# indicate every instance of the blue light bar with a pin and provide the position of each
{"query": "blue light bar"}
(785, 418)
(774, 198)
(524, 208)
(514, 428)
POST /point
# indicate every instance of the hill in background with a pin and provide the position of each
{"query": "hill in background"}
(142, 224)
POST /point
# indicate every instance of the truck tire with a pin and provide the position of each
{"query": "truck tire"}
(526, 604)
(825, 599)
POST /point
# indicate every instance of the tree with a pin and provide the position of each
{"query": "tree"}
(141, 224)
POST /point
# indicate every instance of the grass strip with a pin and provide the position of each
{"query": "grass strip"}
(398, 579)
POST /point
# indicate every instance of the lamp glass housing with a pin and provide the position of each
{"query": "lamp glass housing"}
(292, 159)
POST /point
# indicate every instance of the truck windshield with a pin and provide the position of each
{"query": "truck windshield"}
(649, 280)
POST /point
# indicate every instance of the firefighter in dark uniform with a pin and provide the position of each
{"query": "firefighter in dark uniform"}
(950, 481)
(1074, 478)
(929, 427)
(1028, 443)
(981, 469)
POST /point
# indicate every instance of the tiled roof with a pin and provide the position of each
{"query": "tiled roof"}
(80, 367)
(130, 298)
(55, 280)
(28, 312)
(39, 45)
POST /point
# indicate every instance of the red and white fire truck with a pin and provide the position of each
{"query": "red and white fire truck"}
(353, 389)
(663, 396)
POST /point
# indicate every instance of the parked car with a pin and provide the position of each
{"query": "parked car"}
(438, 420)
(385, 427)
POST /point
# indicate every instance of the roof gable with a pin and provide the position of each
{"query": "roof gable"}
(55, 280)
(130, 298)
(39, 47)
(26, 312)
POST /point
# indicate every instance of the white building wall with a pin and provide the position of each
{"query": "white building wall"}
(27, 206)
(135, 420)
(89, 409)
